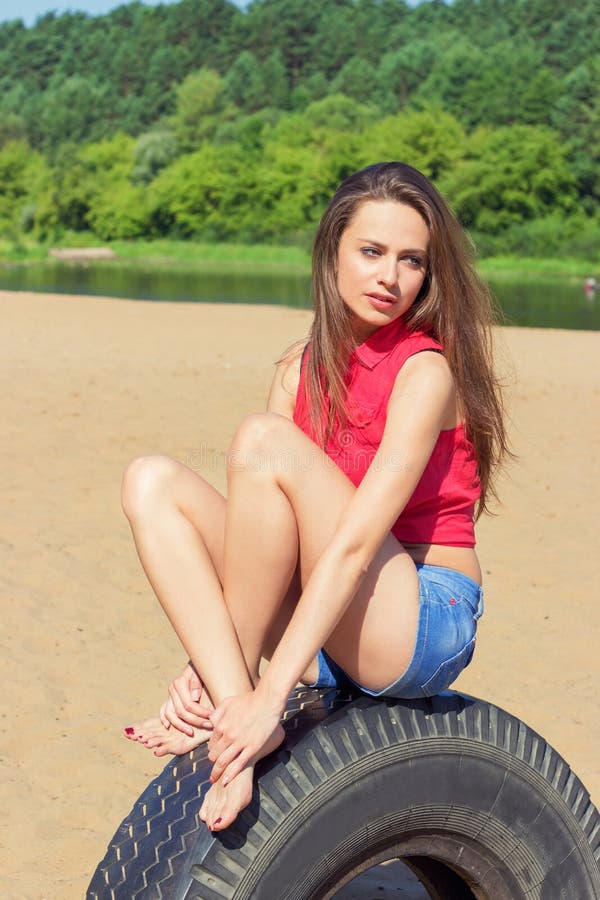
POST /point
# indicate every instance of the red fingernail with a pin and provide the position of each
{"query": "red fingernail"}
(129, 730)
(217, 821)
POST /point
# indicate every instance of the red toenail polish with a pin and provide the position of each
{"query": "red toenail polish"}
(129, 730)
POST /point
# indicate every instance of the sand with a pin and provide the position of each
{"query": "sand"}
(91, 383)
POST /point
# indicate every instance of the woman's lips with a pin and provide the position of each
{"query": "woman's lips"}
(381, 301)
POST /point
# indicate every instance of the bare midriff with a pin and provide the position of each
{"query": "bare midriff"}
(463, 559)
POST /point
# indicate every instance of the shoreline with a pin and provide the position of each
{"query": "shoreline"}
(86, 649)
(199, 256)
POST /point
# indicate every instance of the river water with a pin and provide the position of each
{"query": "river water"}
(544, 303)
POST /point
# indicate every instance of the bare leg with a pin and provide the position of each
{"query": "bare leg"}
(286, 499)
(178, 523)
(285, 496)
(163, 501)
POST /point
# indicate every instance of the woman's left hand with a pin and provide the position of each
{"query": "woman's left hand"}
(244, 729)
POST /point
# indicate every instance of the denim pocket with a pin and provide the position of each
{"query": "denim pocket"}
(449, 671)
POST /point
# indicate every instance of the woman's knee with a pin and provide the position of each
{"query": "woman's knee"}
(144, 481)
(259, 437)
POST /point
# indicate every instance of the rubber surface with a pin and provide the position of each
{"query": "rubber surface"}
(474, 801)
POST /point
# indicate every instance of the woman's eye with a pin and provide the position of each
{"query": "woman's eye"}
(415, 261)
(370, 251)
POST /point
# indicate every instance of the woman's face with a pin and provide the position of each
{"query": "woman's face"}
(382, 262)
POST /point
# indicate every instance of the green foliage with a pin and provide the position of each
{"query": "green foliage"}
(245, 83)
(23, 174)
(153, 151)
(201, 101)
(81, 178)
(276, 80)
(118, 211)
(331, 114)
(12, 128)
(577, 117)
(499, 85)
(399, 74)
(430, 140)
(201, 193)
(356, 79)
(73, 111)
(198, 118)
(510, 176)
(248, 132)
(574, 236)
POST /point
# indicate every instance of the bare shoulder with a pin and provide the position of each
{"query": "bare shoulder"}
(289, 365)
(282, 396)
(429, 369)
(426, 380)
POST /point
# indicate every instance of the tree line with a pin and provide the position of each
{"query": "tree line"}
(202, 120)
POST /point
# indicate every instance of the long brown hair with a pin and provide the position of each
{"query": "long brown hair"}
(453, 305)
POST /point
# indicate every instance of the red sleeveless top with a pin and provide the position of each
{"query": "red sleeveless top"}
(441, 508)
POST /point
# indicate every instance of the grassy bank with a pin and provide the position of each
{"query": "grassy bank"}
(181, 254)
(188, 255)
(517, 268)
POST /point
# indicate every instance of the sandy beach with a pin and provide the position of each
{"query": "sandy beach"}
(91, 383)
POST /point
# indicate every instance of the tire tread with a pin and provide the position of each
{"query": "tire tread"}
(161, 851)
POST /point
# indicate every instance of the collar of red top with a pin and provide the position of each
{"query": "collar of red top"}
(380, 344)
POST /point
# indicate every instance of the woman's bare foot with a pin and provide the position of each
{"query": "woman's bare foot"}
(223, 803)
(153, 735)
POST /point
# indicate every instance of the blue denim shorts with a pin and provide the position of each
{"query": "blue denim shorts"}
(450, 604)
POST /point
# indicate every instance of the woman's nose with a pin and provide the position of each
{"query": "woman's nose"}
(388, 272)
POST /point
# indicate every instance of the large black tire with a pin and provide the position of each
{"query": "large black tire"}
(474, 801)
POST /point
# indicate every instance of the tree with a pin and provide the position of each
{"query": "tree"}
(82, 177)
(153, 151)
(336, 113)
(163, 72)
(244, 83)
(203, 193)
(430, 140)
(577, 117)
(511, 175)
(12, 128)
(356, 79)
(23, 173)
(73, 110)
(400, 73)
(201, 101)
(119, 211)
(275, 79)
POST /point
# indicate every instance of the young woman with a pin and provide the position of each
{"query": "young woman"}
(345, 548)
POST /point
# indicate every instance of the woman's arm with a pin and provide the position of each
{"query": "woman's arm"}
(282, 396)
(422, 403)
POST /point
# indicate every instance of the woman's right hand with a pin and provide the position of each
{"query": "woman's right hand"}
(187, 706)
